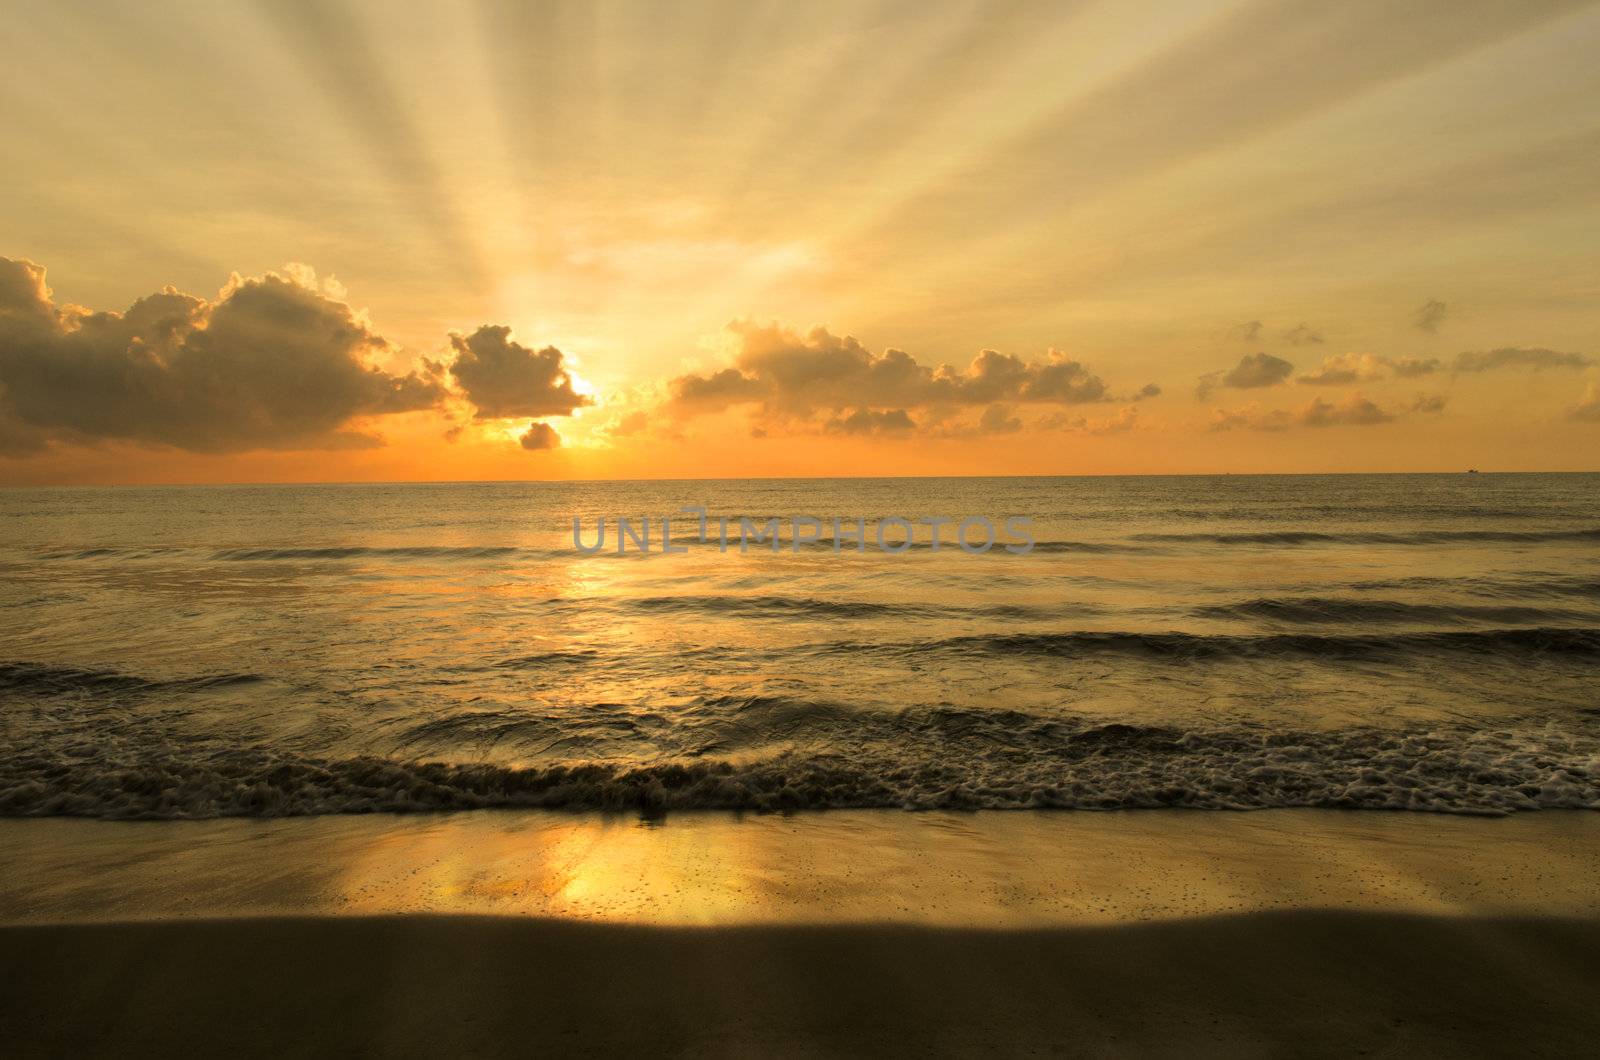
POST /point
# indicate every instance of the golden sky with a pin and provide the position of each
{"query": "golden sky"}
(500, 240)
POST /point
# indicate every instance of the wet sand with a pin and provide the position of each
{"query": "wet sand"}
(1303, 983)
(1304, 933)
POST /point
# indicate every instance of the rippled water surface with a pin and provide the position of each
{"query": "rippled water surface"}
(1425, 642)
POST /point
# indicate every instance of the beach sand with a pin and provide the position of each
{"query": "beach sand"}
(1301, 933)
(1301, 983)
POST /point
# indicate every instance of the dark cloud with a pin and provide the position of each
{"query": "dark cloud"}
(503, 378)
(872, 421)
(998, 419)
(271, 363)
(1411, 367)
(1428, 403)
(1149, 390)
(1353, 411)
(1432, 314)
(1303, 335)
(1519, 357)
(540, 436)
(794, 375)
(18, 438)
(1252, 371)
(1346, 368)
(1248, 332)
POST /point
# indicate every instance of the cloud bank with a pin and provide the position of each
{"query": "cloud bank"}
(793, 377)
(1354, 411)
(1346, 368)
(270, 363)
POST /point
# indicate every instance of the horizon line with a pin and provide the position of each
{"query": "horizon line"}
(762, 478)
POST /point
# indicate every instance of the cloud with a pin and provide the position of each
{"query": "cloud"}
(503, 378)
(1411, 367)
(1587, 410)
(998, 419)
(628, 424)
(1248, 332)
(1346, 368)
(1126, 419)
(1253, 370)
(540, 436)
(1149, 390)
(1302, 335)
(872, 421)
(1431, 315)
(1250, 417)
(271, 363)
(1354, 411)
(793, 375)
(1428, 403)
(1534, 359)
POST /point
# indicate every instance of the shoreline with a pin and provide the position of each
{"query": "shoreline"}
(1000, 869)
(500, 933)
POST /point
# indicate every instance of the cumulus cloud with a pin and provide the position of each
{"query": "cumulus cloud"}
(998, 419)
(794, 376)
(504, 378)
(1252, 371)
(1303, 335)
(272, 362)
(1431, 315)
(1125, 419)
(540, 436)
(1354, 411)
(1411, 367)
(872, 421)
(1532, 359)
(1428, 403)
(1346, 368)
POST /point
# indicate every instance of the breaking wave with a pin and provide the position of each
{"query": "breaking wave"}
(942, 760)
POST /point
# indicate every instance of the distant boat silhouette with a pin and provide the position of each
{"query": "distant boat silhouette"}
(1473, 471)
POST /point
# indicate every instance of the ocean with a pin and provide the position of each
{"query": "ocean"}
(1397, 642)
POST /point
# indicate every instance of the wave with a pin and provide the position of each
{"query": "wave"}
(1373, 537)
(767, 606)
(941, 759)
(1576, 642)
(111, 552)
(1320, 609)
(53, 680)
(1529, 584)
(363, 551)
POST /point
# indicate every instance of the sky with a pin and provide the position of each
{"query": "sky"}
(343, 241)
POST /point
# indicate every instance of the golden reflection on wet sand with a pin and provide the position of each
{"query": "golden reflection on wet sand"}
(995, 869)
